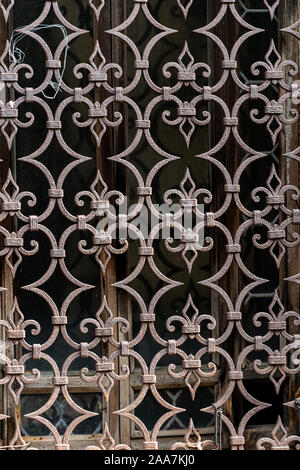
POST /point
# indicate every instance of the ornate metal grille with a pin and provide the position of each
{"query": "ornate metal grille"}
(149, 224)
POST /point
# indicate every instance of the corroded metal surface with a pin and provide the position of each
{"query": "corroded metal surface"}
(102, 116)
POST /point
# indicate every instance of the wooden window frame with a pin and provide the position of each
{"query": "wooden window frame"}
(122, 429)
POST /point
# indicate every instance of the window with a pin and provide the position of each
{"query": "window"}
(149, 224)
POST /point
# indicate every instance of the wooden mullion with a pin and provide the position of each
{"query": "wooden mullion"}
(103, 152)
(120, 140)
(113, 138)
(231, 282)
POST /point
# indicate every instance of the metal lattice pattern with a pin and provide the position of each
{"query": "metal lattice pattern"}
(106, 371)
